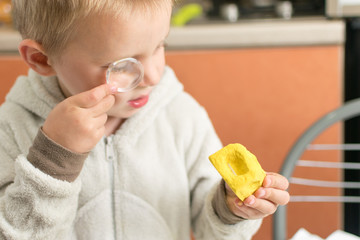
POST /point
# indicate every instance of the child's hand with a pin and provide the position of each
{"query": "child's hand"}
(78, 122)
(264, 201)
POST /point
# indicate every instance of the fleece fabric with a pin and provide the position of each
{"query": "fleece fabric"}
(150, 180)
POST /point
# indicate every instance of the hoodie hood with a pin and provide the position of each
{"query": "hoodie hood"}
(36, 93)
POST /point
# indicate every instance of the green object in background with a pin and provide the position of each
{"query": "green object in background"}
(186, 13)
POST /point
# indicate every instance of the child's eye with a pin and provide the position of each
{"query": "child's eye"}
(162, 45)
(106, 66)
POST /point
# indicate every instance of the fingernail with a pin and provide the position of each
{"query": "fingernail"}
(238, 204)
(252, 201)
(267, 182)
(261, 193)
(113, 88)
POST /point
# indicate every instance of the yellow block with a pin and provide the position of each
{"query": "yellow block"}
(239, 168)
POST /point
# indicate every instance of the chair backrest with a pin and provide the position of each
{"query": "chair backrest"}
(347, 111)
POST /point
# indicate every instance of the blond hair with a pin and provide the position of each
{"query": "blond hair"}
(53, 22)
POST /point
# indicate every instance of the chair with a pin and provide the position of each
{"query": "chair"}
(347, 111)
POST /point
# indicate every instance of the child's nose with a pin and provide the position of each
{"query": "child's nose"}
(151, 74)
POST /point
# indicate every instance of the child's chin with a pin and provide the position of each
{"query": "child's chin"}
(124, 115)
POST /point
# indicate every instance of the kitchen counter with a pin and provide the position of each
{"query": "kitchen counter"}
(244, 33)
(9, 40)
(258, 33)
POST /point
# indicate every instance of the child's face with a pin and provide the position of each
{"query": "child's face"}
(103, 40)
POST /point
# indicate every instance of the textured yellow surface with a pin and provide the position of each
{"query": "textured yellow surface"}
(239, 168)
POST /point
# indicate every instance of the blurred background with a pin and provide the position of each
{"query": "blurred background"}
(265, 70)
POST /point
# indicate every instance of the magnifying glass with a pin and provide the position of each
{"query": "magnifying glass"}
(125, 74)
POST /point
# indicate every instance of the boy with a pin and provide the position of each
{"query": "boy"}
(78, 160)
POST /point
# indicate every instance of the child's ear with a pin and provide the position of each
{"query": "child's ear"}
(34, 55)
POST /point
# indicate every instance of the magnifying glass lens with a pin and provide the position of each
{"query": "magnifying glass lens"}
(125, 74)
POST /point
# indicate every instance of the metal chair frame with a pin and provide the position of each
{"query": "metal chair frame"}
(347, 111)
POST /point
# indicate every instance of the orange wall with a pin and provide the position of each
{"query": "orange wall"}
(264, 98)
(10, 68)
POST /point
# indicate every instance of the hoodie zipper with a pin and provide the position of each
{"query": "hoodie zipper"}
(110, 157)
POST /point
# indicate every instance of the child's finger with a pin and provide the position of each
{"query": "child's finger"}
(276, 196)
(261, 205)
(93, 96)
(103, 106)
(101, 120)
(275, 180)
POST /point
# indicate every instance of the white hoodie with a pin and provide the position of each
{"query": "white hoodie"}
(151, 180)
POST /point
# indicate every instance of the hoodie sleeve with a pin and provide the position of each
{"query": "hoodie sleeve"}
(214, 228)
(204, 181)
(54, 159)
(33, 205)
